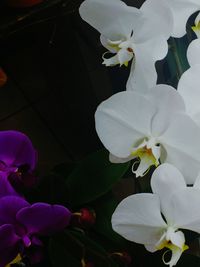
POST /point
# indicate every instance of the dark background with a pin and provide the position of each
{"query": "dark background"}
(55, 79)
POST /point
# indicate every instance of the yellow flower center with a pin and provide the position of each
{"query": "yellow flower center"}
(16, 260)
(123, 52)
(149, 153)
(175, 241)
(168, 244)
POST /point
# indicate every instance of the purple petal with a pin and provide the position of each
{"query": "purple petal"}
(9, 245)
(35, 252)
(16, 149)
(7, 236)
(43, 218)
(6, 188)
(9, 206)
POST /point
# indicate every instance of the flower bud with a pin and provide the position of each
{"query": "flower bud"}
(3, 77)
(85, 218)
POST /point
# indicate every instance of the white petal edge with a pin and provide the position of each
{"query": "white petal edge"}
(167, 180)
(113, 18)
(189, 89)
(138, 219)
(193, 52)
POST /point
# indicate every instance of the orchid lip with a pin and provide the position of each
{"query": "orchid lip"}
(149, 153)
(174, 241)
(123, 50)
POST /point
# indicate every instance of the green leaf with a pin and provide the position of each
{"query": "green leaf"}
(93, 177)
(64, 169)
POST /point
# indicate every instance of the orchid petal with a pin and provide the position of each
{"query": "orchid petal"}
(104, 42)
(115, 159)
(166, 180)
(43, 218)
(197, 19)
(124, 56)
(182, 148)
(16, 149)
(167, 96)
(154, 11)
(177, 238)
(181, 11)
(193, 52)
(151, 248)
(144, 165)
(7, 236)
(9, 244)
(187, 164)
(113, 18)
(197, 182)
(189, 88)
(9, 206)
(122, 121)
(163, 96)
(194, 2)
(111, 61)
(176, 254)
(143, 75)
(185, 209)
(138, 219)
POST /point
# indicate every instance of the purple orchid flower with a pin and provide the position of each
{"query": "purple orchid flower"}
(16, 150)
(17, 158)
(19, 235)
(21, 225)
(6, 189)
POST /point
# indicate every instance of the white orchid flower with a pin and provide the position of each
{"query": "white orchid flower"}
(152, 127)
(193, 52)
(189, 88)
(130, 33)
(181, 11)
(189, 83)
(139, 218)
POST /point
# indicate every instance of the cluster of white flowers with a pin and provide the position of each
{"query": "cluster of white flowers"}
(153, 122)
